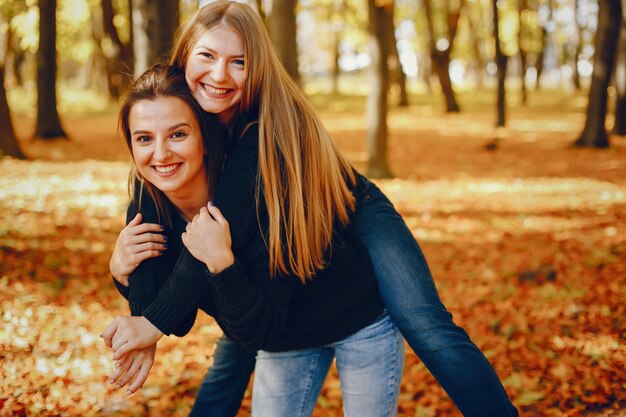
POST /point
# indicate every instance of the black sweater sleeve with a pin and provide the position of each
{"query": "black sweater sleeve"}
(253, 313)
(149, 277)
(140, 291)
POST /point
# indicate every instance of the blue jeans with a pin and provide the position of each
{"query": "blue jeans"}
(369, 362)
(226, 381)
(409, 293)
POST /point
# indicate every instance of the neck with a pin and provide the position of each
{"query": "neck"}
(226, 116)
(189, 204)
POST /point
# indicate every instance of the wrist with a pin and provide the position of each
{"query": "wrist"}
(225, 261)
(158, 334)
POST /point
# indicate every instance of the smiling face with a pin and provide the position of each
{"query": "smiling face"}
(215, 71)
(167, 147)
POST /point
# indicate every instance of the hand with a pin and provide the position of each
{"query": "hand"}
(136, 367)
(208, 239)
(125, 334)
(136, 243)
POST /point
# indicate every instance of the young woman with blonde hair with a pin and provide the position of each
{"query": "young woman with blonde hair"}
(309, 191)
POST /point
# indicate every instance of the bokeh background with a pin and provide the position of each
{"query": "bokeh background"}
(496, 128)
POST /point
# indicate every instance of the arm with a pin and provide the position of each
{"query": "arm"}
(255, 312)
(153, 272)
(134, 256)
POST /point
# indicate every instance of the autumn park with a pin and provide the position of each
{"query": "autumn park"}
(496, 128)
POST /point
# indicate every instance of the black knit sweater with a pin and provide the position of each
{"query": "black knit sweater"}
(260, 312)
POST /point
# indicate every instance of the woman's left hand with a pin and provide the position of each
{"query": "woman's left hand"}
(133, 367)
(125, 334)
(208, 239)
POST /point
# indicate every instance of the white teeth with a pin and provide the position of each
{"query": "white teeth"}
(166, 169)
(218, 91)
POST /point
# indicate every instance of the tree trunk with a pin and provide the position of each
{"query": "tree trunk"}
(479, 62)
(48, 122)
(283, 33)
(545, 40)
(609, 20)
(579, 46)
(501, 62)
(440, 54)
(336, 67)
(8, 142)
(154, 23)
(118, 55)
(377, 100)
(393, 60)
(620, 82)
(522, 53)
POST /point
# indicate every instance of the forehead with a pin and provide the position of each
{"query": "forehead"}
(160, 112)
(221, 38)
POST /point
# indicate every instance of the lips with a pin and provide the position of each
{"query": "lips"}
(216, 92)
(166, 169)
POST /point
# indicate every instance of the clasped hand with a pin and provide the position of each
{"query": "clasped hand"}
(133, 340)
(208, 239)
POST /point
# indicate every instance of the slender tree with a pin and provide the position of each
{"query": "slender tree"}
(48, 122)
(441, 43)
(620, 81)
(377, 100)
(8, 141)
(118, 55)
(522, 51)
(283, 33)
(501, 62)
(545, 41)
(579, 45)
(393, 60)
(609, 19)
(154, 23)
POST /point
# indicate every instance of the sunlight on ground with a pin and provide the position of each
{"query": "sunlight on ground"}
(553, 339)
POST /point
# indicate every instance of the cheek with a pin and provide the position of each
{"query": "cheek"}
(140, 157)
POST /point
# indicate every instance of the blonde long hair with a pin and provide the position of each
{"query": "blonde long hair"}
(305, 180)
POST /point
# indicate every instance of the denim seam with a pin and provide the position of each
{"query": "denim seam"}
(307, 391)
(394, 381)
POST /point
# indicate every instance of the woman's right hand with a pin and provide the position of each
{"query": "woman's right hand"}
(136, 243)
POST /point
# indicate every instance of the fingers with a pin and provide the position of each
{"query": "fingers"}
(118, 343)
(138, 258)
(141, 377)
(217, 215)
(132, 371)
(147, 237)
(124, 365)
(109, 332)
(136, 220)
(123, 350)
(145, 228)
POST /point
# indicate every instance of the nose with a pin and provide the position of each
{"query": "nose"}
(161, 150)
(220, 71)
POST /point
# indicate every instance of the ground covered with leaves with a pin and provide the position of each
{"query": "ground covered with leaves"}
(526, 239)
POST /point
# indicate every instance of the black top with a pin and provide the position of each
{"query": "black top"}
(260, 312)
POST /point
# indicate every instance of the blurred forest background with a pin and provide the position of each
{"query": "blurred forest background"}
(495, 126)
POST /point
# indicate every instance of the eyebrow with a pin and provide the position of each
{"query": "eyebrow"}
(174, 127)
(213, 51)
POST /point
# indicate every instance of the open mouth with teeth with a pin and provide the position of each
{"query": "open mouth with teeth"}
(166, 169)
(216, 92)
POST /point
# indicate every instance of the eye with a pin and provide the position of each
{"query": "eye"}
(143, 139)
(207, 55)
(239, 62)
(179, 134)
